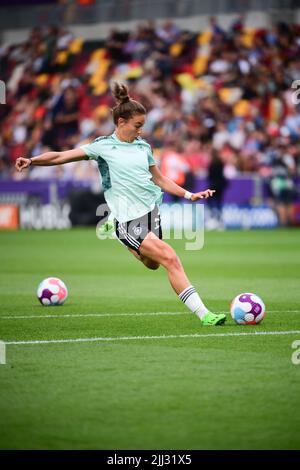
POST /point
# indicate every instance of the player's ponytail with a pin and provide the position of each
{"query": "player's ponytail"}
(120, 93)
(126, 107)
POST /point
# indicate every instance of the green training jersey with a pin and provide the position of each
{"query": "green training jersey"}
(126, 179)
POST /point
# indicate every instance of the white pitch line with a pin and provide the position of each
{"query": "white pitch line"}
(282, 311)
(137, 314)
(128, 338)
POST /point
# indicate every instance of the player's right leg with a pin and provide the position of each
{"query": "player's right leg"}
(157, 250)
(150, 249)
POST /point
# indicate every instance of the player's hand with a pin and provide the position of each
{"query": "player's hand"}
(22, 163)
(203, 194)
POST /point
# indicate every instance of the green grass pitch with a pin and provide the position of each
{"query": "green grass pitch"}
(226, 389)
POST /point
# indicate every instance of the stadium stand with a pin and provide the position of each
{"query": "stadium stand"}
(217, 90)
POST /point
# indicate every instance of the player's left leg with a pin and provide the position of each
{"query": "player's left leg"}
(132, 233)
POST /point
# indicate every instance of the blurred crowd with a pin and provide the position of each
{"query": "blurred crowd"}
(217, 95)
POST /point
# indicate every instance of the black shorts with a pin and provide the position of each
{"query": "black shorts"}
(133, 232)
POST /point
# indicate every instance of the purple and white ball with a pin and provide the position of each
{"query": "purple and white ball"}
(52, 291)
(247, 309)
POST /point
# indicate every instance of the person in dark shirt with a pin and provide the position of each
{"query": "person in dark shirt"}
(218, 181)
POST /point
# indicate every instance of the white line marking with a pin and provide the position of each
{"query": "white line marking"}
(282, 311)
(137, 314)
(128, 338)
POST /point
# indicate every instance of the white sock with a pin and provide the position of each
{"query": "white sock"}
(192, 300)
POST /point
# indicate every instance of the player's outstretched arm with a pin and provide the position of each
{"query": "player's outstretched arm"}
(166, 184)
(51, 158)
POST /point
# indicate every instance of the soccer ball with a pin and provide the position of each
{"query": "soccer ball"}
(247, 309)
(52, 291)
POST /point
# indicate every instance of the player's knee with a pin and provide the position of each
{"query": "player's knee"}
(150, 264)
(153, 265)
(171, 260)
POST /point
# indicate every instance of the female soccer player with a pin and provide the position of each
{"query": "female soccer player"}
(132, 186)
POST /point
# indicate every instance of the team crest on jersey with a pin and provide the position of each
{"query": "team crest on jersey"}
(137, 230)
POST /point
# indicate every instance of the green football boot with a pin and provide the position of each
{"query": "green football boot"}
(211, 319)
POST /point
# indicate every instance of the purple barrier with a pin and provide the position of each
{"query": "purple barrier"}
(44, 190)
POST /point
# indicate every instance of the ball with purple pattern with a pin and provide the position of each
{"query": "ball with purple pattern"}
(247, 309)
(52, 291)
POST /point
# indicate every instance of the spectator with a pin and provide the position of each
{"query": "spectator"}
(66, 116)
(218, 181)
(282, 185)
